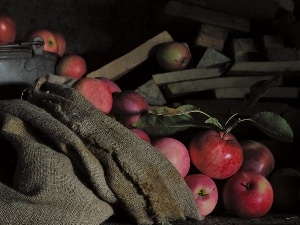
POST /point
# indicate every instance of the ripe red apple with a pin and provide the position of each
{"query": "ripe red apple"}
(257, 158)
(205, 192)
(72, 65)
(175, 151)
(114, 88)
(48, 36)
(142, 134)
(62, 43)
(96, 92)
(248, 195)
(286, 187)
(173, 56)
(216, 155)
(7, 28)
(128, 107)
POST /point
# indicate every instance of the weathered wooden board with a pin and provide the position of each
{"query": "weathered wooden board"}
(273, 92)
(185, 75)
(187, 87)
(265, 68)
(152, 93)
(287, 5)
(204, 15)
(211, 37)
(241, 47)
(212, 58)
(264, 10)
(273, 41)
(281, 54)
(132, 59)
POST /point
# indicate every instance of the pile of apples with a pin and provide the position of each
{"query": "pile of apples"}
(70, 65)
(234, 175)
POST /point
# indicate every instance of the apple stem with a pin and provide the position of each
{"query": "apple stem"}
(229, 128)
(247, 186)
(202, 193)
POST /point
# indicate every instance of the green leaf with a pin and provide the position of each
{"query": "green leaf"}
(273, 125)
(164, 121)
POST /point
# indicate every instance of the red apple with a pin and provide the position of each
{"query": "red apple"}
(7, 28)
(72, 65)
(286, 187)
(257, 158)
(248, 195)
(205, 192)
(114, 88)
(173, 56)
(128, 107)
(216, 155)
(96, 92)
(48, 36)
(175, 151)
(142, 134)
(62, 43)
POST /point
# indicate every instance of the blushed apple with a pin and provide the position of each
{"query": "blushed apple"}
(142, 134)
(7, 28)
(96, 92)
(205, 192)
(114, 88)
(173, 56)
(62, 43)
(175, 151)
(72, 65)
(286, 186)
(128, 107)
(48, 36)
(248, 195)
(216, 155)
(257, 158)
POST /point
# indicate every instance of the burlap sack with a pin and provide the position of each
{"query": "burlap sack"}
(76, 165)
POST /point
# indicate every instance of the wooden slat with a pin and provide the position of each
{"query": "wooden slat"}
(212, 58)
(185, 75)
(273, 92)
(204, 15)
(265, 68)
(132, 59)
(263, 10)
(213, 83)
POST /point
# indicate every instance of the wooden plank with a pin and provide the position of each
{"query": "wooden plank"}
(265, 68)
(211, 37)
(187, 87)
(281, 54)
(241, 47)
(185, 75)
(273, 92)
(286, 5)
(152, 93)
(212, 58)
(204, 15)
(132, 59)
(263, 10)
(273, 41)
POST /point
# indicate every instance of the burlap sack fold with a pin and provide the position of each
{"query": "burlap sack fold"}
(73, 158)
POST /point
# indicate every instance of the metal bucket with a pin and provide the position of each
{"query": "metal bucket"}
(21, 64)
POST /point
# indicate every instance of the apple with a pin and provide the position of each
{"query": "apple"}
(286, 186)
(257, 158)
(7, 28)
(48, 36)
(175, 151)
(247, 194)
(205, 192)
(72, 65)
(216, 155)
(128, 107)
(95, 91)
(62, 43)
(173, 56)
(142, 134)
(114, 88)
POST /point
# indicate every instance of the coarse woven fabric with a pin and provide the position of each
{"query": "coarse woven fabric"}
(76, 165)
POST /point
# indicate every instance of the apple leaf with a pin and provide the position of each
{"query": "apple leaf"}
(273, 125)
(257, 89)
(163, 121)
